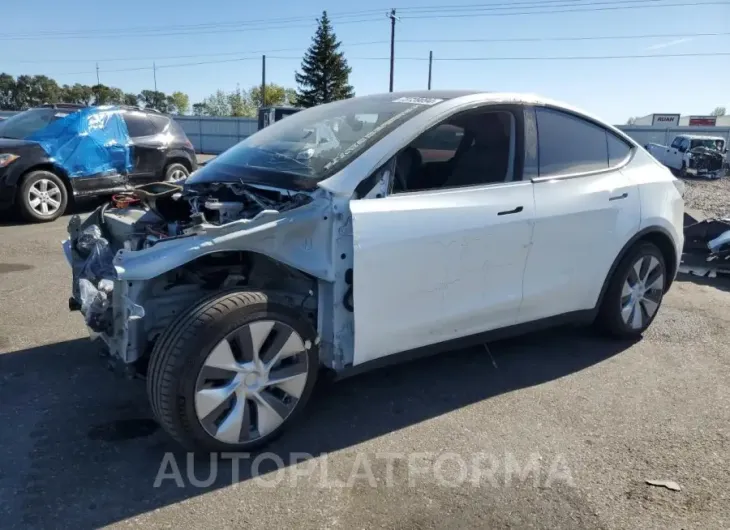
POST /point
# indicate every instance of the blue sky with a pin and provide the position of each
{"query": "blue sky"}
(613, 89)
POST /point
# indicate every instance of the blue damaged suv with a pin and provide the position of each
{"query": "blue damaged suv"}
(54, 153)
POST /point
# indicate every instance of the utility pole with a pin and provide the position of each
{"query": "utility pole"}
(430, 64)
(263, 80)
(154, 73)
(392, 46)
(97, 74)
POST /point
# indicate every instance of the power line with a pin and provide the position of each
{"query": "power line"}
(441, 59)
(557, 11)
(168, 27)
(384, 41)
(177, 33)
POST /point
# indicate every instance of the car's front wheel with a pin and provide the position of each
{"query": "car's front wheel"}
(635, 292)
(232, 373)
(42, 197)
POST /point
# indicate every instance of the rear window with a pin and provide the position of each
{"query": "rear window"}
(138, 124)
(160, 123)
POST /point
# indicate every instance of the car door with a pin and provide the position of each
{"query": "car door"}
(148, 147)
(674, 156)
(439, 264)
(586, 209)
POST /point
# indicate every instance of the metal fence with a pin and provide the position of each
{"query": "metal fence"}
(214, 135)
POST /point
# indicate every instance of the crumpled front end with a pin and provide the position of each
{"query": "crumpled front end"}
(707, 163)
(138, 265)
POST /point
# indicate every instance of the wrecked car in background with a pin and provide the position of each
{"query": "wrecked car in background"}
(694, 155)
(231, 290)
(53, 153)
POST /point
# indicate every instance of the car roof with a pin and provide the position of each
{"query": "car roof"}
(701, 137)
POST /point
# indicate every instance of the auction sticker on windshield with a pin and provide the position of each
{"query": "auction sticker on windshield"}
(418, 101)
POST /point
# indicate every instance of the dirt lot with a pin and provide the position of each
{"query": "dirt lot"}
(594, 418)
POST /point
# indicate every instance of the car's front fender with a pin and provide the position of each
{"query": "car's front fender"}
(300, 238)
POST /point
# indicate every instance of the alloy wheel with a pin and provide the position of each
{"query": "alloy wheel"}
(642, 292)
(251, 382)
(44, 196)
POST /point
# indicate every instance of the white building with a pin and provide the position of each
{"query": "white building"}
(675, 120)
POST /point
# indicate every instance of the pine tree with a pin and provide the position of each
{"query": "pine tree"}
(325, 73)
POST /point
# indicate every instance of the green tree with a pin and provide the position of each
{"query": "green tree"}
(215, 105)
(275, 95)
(105, 95)
(130, 99)
(154, 100)
(290, 96)
(719, 111)
(200, 109)
(78, 93)
(178, 103)
(34, 90)
(7, 92)
(239, 101)
(325, 74)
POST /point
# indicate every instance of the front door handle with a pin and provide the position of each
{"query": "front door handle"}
(507, 212)
(618, 197)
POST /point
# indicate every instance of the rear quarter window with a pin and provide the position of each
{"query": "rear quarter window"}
(618, 149)
(568, 144)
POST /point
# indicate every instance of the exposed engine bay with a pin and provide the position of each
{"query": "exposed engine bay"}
(152, 212)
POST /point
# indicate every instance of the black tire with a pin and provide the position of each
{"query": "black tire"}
(173, 170)
(23, 199)
(179, 354)
(609, 317)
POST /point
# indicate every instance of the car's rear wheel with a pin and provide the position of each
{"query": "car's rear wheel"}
(233, 373)
(176, 171)
(42, 197)
(635, 292)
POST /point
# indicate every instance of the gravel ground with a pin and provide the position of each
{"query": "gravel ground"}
(712, 197)
(596, 418)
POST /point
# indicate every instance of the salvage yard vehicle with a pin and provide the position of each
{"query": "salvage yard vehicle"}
(53, 153)
(693, 155)
(231, 291)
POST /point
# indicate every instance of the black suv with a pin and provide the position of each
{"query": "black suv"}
(53, 153)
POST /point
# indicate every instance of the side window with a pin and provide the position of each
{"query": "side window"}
(440, 143)
(469, 149)
(159, 123)
(676, 142)
(568, 144)
(618, 150)
(685, 144)
(138, 124)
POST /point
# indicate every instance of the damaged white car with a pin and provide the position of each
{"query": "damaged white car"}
(432, 220)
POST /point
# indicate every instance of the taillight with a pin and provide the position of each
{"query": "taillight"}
(188, 143)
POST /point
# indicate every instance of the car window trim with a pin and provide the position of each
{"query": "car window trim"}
(472, 187)
(622, 164)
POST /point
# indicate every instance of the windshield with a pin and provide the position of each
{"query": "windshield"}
(26, 123)
(313, 144)
(707, 142)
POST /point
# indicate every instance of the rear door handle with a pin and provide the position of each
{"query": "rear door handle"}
(507, 212)
(618, 197)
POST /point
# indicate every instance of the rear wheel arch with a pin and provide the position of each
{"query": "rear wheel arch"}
(659, 237)
(177, 159)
